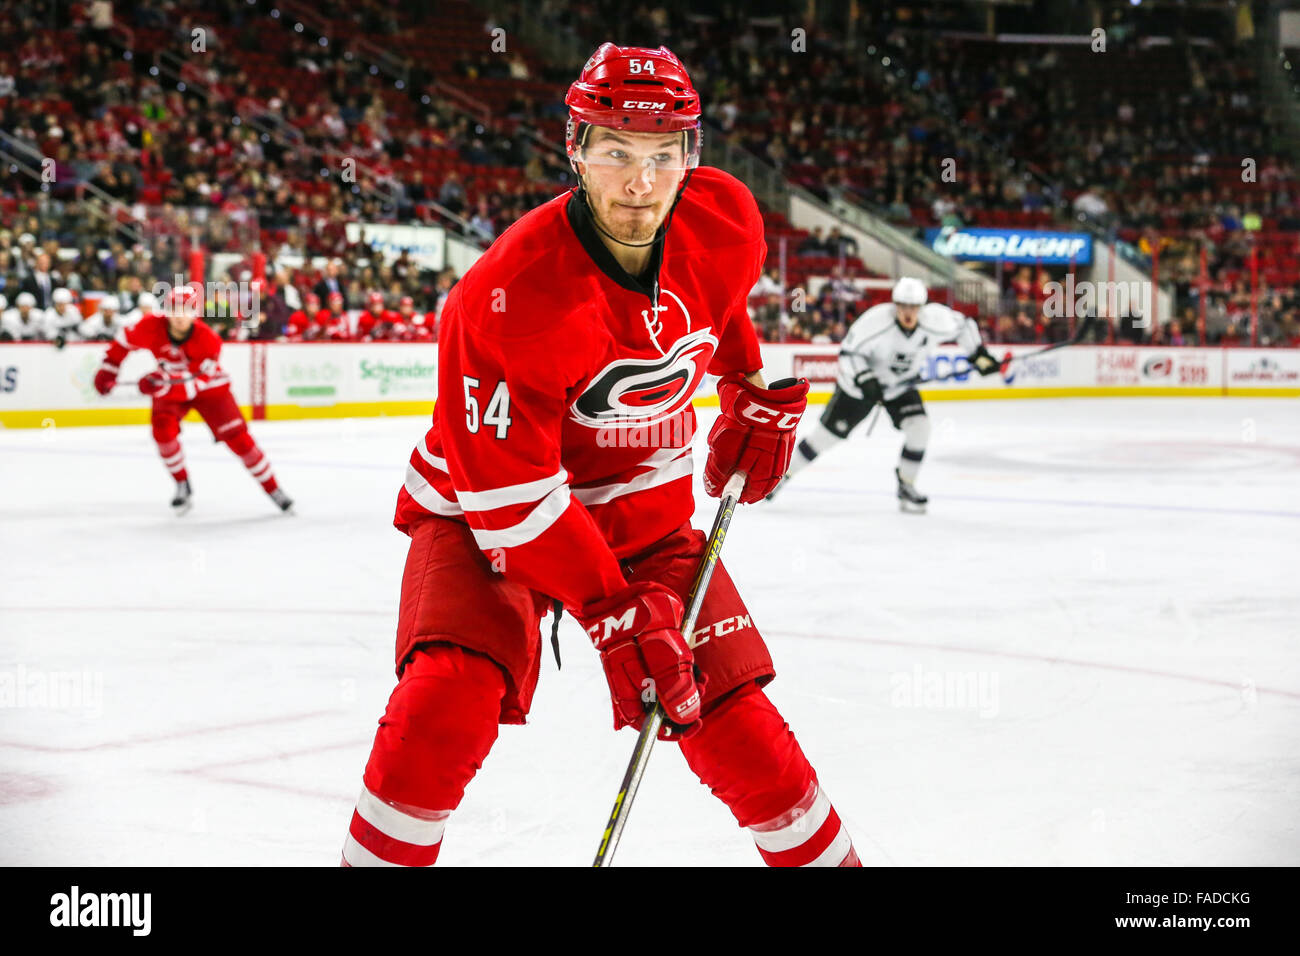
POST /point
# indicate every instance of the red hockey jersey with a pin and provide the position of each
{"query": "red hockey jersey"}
(192, 361)
(562, 433)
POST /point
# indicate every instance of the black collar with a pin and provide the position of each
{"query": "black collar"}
(183, 339)
(580, 219)
(907, 332)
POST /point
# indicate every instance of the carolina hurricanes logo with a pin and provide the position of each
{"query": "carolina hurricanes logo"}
(635, 392)
(1158, 367)
(172, 360)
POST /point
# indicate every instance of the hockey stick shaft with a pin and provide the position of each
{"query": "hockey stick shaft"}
(653, 721)
(875, 414)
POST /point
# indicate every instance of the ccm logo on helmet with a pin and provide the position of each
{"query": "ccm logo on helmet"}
(766, 416)
(642, 105)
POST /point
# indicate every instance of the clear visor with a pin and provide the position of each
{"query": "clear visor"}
(669, 154)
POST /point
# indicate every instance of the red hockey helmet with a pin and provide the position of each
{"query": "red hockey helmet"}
(633, 88)
(375, 298)
(183, 299)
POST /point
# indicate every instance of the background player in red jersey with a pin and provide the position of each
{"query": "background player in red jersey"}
(559, 467)
(370, 321)
(188, 376)
(302, 320)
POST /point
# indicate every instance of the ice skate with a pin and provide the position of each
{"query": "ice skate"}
(910, 500)
(182, 503)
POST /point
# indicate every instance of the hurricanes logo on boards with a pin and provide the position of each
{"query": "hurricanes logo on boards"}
(630, 393)
(1158, 367)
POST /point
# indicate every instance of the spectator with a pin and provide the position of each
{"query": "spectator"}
(330, 283)
(452, 193)
(813, 244)
(42, 282)
(841, 245)
(1091, 203)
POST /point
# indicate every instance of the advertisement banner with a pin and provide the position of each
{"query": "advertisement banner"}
(1032, 246)
(43, 386)
(426, 244)
(1263, 371)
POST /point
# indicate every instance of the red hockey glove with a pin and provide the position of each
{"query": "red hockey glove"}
(105, 380)
(646, 658)
(168, 388)
(754, 433)
(155, 383)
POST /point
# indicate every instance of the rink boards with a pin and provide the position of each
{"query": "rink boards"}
(42, 386)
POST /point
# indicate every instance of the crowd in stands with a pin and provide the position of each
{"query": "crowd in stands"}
(1145, 146)
(1036, 141)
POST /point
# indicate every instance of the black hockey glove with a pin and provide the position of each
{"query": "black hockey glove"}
(983, 362)
(871, 390)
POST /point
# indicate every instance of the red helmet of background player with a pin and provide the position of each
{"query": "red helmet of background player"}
(633, 88)
(182, 299)
(375, 298)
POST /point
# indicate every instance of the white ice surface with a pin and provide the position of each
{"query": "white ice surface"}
(1119, 577)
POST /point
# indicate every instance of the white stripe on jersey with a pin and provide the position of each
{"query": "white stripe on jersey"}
(419, 488)
(511, 494)
(669, 464)
(436, 462)
(546, 513)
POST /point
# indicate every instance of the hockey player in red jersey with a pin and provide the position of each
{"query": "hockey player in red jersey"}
(301, 320)
(559, 468)
(187, 376)
(372, 317)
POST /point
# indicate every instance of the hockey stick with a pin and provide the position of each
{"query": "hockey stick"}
(875, 414)
(653, 721)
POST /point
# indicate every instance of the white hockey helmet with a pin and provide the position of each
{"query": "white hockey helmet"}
(147, 302)
(909, 291)
(25, 299)
(62, 297)
(109, 302)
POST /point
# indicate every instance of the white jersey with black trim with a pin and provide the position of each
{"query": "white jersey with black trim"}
(878, 345)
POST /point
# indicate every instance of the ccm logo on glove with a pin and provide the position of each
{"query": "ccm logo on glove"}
(768, 416)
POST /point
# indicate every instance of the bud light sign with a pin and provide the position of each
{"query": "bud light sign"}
(1012, 245)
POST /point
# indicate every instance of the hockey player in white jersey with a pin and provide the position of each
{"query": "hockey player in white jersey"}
(880, 358)
(105, 322)
(64, 319)
(24, 322)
